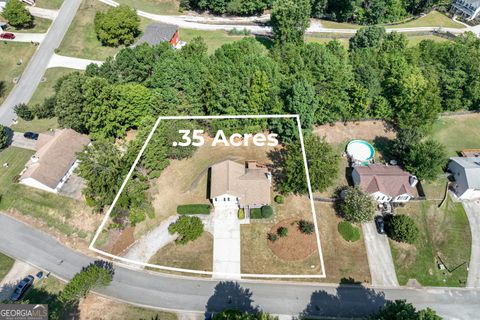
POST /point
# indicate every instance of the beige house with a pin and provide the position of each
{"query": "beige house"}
(234, 184)
(55, 160)
(385, 183)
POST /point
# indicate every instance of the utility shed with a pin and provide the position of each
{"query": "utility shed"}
(466, 172)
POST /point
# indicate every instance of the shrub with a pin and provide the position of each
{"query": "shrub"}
(279, 199)
(117, 26)
(357, 206)
(402, 228)
(241, 214)
(194, 209)
(306, 227)
(266, 212)
(256, 213)
(16, 14)
(272, 237)
(24, 112)
(3, 137)
(188, 229)
(349, 232)
(45, 110)
(282, 232)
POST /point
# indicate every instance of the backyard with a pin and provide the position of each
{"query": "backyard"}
(444, 236)
(15, 57)
(457, 132)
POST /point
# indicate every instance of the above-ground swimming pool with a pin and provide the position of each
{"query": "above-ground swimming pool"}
(360, 151)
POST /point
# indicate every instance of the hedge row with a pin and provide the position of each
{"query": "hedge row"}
(194, 209)
(261, 213)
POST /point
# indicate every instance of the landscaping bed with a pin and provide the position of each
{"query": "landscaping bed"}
(294, 246)
(348, 231)
(194, 209)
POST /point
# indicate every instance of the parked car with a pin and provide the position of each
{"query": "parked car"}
(21, 288)
(380, 224)
(31, 135)
(7, 35)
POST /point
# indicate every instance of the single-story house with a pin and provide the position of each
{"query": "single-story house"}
(157, 33)
(240, 185)
(55, 160)
(385, 183)
(466, 172)
(470, 9)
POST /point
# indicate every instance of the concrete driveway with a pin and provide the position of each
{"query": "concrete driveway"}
(19, 141)
(472, 210)
(226, 243)
(19, 271)
(379, 257)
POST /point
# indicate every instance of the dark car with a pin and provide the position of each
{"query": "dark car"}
(380, 223)
(21, 288)
(7, 35)
(31, 135)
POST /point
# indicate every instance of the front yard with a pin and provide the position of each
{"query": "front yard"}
(444, 236)
(6, 264)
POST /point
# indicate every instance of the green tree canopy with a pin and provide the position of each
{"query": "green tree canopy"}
(425, 159)
(356, 206)
(290, 19)
(401, 310)
(3, 137)
(188, 229)
(402, 228)
(16, 14)
(119, 25)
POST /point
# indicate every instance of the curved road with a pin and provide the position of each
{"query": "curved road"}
(184, 294)
(31, 77)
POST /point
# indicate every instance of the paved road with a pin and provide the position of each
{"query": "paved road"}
(35, 69)
(197, 295)
(473, 213)
(379, 257)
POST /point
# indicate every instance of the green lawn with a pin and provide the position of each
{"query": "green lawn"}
(444, 233)
(213, 39)
(57, 212)
(415, 40)
(15, 57)
(432, 19)
(36, 125)
(458, 132)
(312, 37)
(40, 26)
(338, 25)
(49, 4)
(167, 7)
(6, 264)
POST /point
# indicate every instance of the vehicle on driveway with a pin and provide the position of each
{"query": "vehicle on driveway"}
(380, 224)
(21, 288)
(31, 135)
(7, 35)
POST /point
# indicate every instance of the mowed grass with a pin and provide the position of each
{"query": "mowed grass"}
(36, 125)
(40, 25)
(415, 40)
(444, 234)
(67, 216)
(432, 19)
(213, 39)
(15, 57)
(457, 132)
(166, 7)
(49, 4)
(46, 88)
(6, 264)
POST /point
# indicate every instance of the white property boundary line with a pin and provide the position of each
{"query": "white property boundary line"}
(243, 275)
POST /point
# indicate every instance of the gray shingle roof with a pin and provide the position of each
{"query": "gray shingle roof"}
(470, 177)
(157, 33)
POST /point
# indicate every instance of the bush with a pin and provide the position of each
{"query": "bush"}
(24, 112)
(402, 228)
(349, 232)
(16, 14)
(45, 110)
(272, 237)
(266, 212)
(188, 229)
(279, 199)
(255, 213)
(282, 232)
(357, 206)
(306, 227)
(3, 137)
(241, 214)
(117, 26)
(194, 209)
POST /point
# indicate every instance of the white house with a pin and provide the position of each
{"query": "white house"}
(385, 183)
(470, 9)
(234, 184)
(55, 160)
(466, 172)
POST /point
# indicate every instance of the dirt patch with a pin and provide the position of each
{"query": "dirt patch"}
(119, 240)
(296, 246)
(366, 130)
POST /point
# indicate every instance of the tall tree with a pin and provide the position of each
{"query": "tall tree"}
(16, 14)
(290, 19)
(119, 25)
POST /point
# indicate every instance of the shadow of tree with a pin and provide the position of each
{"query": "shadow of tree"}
(350, 301)
(3, 88)
(277, 157)
(384, 147)
(6, 290)
(230, 295)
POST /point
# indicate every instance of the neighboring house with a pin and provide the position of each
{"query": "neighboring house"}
(157, 33)
(470, 9)
(466, 172)
(240, 185)
(385, 183)
(54, 161)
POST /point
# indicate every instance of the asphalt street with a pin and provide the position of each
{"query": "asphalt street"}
(31, 77)
(199, 295)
